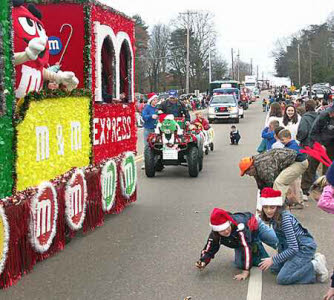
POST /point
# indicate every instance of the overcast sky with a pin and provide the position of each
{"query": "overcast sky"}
(251, 26)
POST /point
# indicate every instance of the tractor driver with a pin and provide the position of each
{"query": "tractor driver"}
(174, 107)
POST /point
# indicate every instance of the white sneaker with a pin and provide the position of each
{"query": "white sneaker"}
(319, 263)
(305, 197)
(143, 167)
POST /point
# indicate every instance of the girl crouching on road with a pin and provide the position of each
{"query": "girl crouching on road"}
(296, 261)
(244, 233)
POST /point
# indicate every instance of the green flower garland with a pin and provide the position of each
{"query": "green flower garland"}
(6, 123)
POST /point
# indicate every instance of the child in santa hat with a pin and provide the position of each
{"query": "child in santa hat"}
(296, 261)
(242, 232)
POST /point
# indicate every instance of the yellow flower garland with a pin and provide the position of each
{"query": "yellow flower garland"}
(53, 138)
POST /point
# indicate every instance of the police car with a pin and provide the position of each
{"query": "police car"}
(223, 107)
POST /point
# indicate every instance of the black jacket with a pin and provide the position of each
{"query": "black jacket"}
(237, 239)
(323, 129)
(304, 128)
(166, 107)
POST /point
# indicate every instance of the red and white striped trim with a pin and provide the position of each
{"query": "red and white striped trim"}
(247, 254)
(275, 201)
(220, 227)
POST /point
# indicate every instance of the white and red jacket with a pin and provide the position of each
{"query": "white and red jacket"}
(237, 240)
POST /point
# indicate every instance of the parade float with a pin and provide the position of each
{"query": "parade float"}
(68, 132)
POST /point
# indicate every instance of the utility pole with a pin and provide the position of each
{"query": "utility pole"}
(257, 72)
(210, 71)
(251, 67)
(238, 65)
(299, 81)
(310, 61)
(232, 73)
(188, 13)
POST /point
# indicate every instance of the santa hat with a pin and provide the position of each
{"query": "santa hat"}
(271, 197)
(151, 96)
(220, 220)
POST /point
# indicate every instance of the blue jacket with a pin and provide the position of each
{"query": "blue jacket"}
(147, 113)
(269, 137)
(294, 146)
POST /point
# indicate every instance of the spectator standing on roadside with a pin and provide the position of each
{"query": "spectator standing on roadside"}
(275, 113)
(150, 117)
(278, 144)
(268, 133)
(323, 106)
(296, 170)
(291, 120)
(323, 132)
(303, 136)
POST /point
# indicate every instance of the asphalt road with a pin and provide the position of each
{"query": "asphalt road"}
(149, 251)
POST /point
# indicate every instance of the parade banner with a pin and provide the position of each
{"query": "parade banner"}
(114, 130)
(53, 138)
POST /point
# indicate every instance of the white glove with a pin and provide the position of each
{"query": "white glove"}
(68, 79)
(35, 47)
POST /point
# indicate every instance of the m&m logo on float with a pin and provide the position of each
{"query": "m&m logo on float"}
(75, 200)
(108, 185)
(129, 175)
(44, 213)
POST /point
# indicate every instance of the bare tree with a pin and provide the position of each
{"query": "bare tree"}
(202, 40)
(158, 54)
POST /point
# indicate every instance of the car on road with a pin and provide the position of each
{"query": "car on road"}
(223, 107)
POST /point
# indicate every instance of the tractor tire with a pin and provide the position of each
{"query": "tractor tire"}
(236, 120)
(149, 162)
(200, 163)
(211, 147)
(159, 166)
(193, 162)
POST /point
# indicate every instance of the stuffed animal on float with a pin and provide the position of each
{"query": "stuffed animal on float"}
(168, 126)
(31, 52)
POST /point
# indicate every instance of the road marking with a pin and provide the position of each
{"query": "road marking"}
(255, 279)
(139, 158)
(255, 285)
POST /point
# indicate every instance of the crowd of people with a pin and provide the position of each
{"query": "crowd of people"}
(285, 174)
(191, 103)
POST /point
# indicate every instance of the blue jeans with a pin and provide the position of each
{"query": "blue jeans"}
(266, 235)
(147, 131)
(299, 268)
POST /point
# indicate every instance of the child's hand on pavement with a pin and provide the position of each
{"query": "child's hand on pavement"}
(200, 265)
(242, 276)
(330, 294)
(266, 264)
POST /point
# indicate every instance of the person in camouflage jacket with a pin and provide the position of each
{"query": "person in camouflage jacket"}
(266, 167)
